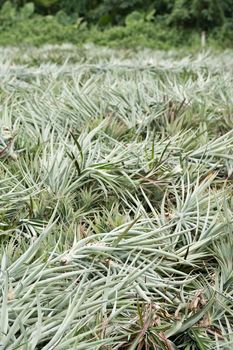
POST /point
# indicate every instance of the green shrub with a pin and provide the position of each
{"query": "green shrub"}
(27, 10)
(7, 14)
(38, 31)
(134, 17)
(223, 36)
(198, 14)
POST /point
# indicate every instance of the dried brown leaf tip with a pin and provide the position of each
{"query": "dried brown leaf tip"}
(11, 294)
(198, 301)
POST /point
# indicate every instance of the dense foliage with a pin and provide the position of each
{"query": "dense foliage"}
(197, 13)
(159, 23)
(116, 210)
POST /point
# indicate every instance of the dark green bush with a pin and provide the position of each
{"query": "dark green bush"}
(224, 35)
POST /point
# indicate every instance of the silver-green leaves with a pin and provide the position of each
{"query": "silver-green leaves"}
(116, 215)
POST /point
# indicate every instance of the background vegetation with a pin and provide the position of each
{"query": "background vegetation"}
(158, 23)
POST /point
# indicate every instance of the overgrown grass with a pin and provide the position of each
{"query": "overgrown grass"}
(115, 199)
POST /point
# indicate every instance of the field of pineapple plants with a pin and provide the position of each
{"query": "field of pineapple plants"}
(116, 222)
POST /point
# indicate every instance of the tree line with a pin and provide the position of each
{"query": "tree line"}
(196, 14)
